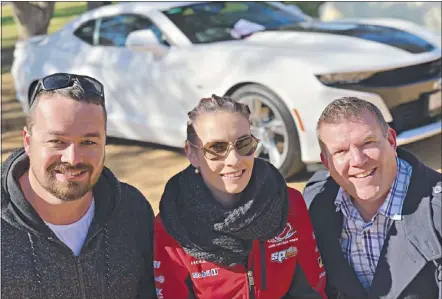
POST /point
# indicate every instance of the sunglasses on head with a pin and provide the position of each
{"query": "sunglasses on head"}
(217, 150)
(63, 80)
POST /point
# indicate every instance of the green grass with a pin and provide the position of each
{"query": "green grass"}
(63, 13)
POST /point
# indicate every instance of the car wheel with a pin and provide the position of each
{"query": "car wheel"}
(273, 124)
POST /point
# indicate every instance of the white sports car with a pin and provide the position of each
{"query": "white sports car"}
(156, 60)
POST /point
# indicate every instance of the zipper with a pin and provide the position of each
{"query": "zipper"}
(77, 264)
(251, 284)
(80, 274)
(77, 260)
(250, 279)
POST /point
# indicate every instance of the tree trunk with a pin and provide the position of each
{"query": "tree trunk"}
(32, 18)
(96, 4)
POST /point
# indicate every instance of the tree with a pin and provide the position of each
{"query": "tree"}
(32, 18)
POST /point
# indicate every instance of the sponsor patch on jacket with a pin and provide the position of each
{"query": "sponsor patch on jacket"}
(280, 256)
(160, 279)
(197, 262)
(207, 273)
(320, 263)
(156, 264)
(285, 237)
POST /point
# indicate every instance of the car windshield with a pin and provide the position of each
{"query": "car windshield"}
(223, 21)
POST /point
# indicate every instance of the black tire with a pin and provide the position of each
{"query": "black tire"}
(292, 163)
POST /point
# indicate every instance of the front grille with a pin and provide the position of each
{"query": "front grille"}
(405, 75)
(411, 115)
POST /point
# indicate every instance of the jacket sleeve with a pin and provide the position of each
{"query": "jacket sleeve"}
(144, 218)
(314, 186)
(172, 278)
(309, 280)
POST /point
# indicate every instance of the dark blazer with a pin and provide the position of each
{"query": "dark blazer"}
(410, 263)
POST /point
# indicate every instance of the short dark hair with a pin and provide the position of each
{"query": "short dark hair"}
(74, 92)
(349, 108)
(214, 104)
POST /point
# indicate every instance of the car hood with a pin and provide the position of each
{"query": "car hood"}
(327, 46)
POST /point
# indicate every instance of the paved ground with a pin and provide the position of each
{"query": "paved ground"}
(147, 166)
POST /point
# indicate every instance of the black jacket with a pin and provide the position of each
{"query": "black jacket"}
(116, 260)
(411, 255)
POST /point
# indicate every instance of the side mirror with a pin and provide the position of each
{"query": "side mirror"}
(145, 40)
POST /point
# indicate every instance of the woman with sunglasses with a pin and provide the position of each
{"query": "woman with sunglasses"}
(228, 226)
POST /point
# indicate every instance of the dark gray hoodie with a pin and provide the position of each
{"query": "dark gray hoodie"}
(116, 258)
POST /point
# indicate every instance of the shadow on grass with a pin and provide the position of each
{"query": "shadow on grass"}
(153, 146)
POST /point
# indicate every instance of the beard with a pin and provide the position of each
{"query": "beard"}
(68, 190)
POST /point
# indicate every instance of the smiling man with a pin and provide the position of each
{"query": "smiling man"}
(70, 229)
(377, 211)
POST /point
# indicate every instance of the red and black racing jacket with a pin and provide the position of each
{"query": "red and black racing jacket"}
(288, 266)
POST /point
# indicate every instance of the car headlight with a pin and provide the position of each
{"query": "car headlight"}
(344, 78)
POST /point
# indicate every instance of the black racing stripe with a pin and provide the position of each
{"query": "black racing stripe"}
(381, 34)
(189, 285)
(301, 287)
(263, 266)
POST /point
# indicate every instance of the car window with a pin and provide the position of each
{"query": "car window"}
(214, 21)
(113, 31)
(86, 32)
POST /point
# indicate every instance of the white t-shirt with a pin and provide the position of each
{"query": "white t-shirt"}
(74, 235)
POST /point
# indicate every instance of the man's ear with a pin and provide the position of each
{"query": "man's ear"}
(391, 136)
(26, 139)
(324, 160)
(191, 154)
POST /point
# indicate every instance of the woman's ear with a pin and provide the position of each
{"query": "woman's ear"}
(190, 152)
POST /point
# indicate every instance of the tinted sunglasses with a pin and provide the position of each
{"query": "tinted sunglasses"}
(217, 150)
(63, 80)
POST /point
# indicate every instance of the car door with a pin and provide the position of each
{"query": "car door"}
(135, 111)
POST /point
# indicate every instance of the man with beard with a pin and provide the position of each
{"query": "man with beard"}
(69, 228)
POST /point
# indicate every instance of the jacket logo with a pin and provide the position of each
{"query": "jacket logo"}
(286, 233)
(283, 237)
(159, 292)
(160, 279)
(280, 256)
(207, 273)
(320, 263)
(156, 264)
(197, 262)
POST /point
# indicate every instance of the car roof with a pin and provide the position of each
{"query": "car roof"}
(122, 7)
(146, 6)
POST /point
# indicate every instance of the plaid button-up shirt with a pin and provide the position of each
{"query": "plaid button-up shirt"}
(361, 242)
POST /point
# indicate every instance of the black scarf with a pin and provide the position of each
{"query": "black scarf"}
(208, 231)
